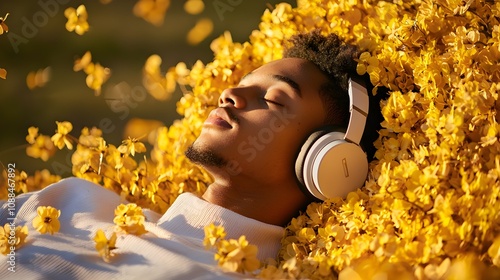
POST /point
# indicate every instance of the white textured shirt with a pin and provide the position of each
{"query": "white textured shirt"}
(172, 248)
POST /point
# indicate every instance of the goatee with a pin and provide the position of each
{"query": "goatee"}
(204, 157)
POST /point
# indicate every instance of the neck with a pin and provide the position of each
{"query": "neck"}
(272, 203)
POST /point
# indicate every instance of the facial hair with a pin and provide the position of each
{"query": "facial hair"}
(204, 157)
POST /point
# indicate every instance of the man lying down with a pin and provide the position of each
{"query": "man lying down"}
(311, 88)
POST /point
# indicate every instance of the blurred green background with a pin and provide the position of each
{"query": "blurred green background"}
(117, 39)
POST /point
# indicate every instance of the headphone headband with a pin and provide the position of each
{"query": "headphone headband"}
(358, 107)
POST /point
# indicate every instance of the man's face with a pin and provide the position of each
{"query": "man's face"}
(260, 125)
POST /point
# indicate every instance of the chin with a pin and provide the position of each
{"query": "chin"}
(204, 156)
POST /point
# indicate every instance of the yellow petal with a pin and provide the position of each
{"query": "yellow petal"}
(69, 12)
(194, 7)
(83, 62)
(200, 31)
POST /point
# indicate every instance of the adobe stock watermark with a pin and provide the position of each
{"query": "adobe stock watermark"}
(257, 143)
(223, 6)
(31, 27)
(120, 98)
(11, 210)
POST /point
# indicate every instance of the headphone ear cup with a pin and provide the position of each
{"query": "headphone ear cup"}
(328, 166)
(336, 168)
(303, 152)
(300, 161)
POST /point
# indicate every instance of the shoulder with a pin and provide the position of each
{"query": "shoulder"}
(70, 195)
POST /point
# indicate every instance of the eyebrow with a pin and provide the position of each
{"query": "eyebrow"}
(293, 84)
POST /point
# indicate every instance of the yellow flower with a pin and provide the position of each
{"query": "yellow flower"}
(153, 11)
(3, 27)
(83, 62)
(42, 148)
(494, 251)
(4, 239)
(131, 146)
(272, 272)
(331, 236)
(77, 19)
(91, 138)
(213, 235)
(232, 255)
(158, 85)
(237, 255)
(47, 220)
(39, 180)
(105, 246)
(3, 73)
(10, 237)
(21, 179)
(32, 134)
(97, 75)
(370, 267)
(130, 219)
(61, 137)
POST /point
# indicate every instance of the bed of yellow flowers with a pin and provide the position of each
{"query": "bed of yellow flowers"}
(430, 208)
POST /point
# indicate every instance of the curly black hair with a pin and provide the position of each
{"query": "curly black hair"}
(337, 60)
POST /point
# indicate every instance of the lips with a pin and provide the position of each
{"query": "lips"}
(219, 117)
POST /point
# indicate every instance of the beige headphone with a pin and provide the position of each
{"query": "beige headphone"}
(331, 163)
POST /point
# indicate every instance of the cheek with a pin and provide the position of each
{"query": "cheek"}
(286, 142)
(270, 144)
(277, 137)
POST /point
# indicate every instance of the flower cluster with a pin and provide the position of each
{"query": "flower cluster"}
(232, 255)
(46, 221)
(41, 146)
(97, 74)
(39, 180)
(12, 237)
(154, 183)
(430, 207)
(157, 84)
(130, 219)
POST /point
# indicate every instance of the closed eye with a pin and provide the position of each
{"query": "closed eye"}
(273, 102)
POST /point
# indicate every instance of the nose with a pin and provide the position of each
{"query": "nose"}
(232, 97)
